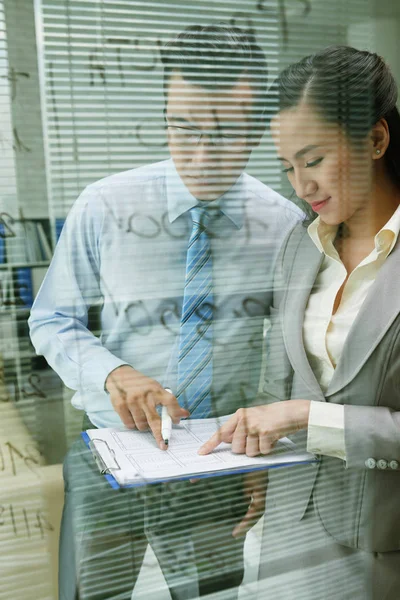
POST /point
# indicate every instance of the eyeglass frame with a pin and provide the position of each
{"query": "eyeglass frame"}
(199, 134)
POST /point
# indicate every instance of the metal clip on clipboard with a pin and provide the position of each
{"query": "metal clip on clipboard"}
(104, 468)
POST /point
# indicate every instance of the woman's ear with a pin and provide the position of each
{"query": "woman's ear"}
(380, 138)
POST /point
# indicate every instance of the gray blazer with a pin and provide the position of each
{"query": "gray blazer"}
(358, 501)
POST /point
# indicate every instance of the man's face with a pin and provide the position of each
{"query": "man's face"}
(209, 165)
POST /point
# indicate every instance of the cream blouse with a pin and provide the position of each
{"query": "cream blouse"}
(325, 333)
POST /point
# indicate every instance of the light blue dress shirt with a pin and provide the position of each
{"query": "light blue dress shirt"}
(123, 250)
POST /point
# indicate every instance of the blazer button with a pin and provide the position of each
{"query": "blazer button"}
(394, 464)
(382, 464)
(370, 463)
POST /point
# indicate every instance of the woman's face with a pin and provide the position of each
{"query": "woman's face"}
(325, 169)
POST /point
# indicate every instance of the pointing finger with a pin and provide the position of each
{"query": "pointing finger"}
(154, 422)
(224, 434)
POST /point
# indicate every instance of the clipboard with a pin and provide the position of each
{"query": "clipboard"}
(103, 468)
(108, 470)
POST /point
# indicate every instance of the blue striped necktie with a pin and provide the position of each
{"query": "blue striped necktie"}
(195, 343)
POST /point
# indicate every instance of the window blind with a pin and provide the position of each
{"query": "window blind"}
(7, 167)
(102, 82)
(102, 76)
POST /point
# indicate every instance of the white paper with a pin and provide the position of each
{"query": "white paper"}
(134, 457)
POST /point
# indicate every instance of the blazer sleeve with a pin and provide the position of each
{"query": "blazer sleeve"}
(373, 432)
(372, 400)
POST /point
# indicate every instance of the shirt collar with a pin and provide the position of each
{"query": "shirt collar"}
(180, 200)
(386, 238)
(323, 235)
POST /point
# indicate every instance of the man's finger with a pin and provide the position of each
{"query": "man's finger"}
(138, 416)
(175, 411)
(124, 414)
(250, 519)
(255, 489)
(154, 422)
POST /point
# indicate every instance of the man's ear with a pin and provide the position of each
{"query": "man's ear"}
(380, 138)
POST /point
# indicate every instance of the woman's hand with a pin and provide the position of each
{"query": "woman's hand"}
(256, 430)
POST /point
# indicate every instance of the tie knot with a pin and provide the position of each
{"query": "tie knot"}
(200, 217)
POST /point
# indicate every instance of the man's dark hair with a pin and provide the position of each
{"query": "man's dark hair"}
(214, 57)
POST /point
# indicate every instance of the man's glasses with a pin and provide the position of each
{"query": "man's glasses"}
(186, 137)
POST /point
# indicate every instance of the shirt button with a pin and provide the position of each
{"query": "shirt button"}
(382, 464)
(394, 464)
(370, 463)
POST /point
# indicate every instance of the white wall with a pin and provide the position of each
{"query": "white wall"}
(380, 32)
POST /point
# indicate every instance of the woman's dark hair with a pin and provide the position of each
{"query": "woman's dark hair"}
(353, 88)
(214, 57)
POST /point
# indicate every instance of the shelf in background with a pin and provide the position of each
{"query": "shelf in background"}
(14, 311)
(22, 265)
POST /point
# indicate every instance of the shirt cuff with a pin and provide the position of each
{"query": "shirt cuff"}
(326, 430)
(105, 381)
(94, 372)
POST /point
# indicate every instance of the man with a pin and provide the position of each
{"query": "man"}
(180, 256)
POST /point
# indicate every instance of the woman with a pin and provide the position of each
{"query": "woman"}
(333, 367)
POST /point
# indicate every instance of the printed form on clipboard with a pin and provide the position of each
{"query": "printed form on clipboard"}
(133, 458)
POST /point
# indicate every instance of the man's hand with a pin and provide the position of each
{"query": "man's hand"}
(255, 490)
(135, 397)
(256, 430)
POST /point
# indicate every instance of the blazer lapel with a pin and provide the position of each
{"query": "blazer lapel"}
(377, 313)
(306, 263)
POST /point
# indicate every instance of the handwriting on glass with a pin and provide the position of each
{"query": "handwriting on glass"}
(14, 459)
(25, 522)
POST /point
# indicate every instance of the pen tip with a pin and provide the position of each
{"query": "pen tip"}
(166, 442)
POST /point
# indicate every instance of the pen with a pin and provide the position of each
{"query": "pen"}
(166, 423)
